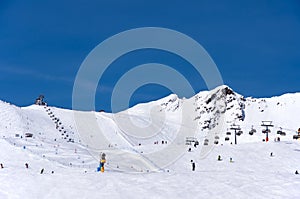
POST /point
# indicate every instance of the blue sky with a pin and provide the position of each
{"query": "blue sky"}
(255, 45)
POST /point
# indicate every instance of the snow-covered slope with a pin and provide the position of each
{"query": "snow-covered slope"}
(152, 137)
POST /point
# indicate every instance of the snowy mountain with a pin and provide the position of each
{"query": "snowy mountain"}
(156, 141)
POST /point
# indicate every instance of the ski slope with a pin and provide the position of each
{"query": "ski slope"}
(67, 145)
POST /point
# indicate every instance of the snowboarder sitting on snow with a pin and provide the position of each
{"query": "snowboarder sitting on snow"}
(296, 172)
(102, 162)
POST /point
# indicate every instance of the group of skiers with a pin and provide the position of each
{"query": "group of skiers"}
(27, 167)
(219, 159)
(162, 142)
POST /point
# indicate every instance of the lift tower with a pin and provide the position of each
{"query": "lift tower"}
(267, 124)
(236, 129)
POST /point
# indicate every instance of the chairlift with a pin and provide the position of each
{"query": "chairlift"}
(205, 143)
(217, 137)
(227, 139)
(228, 133)
(216, 142)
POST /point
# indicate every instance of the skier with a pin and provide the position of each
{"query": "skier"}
(271, 154)
(231, 160)
(193, 165)
(296, 172)
(42, 171)
(1, 165)
(26, 165)
(219, 158)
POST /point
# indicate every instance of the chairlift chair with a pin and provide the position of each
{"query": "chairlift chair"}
(283, 133)
(279, 131)
(239, 133)
(265, 131)
(295, 137)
